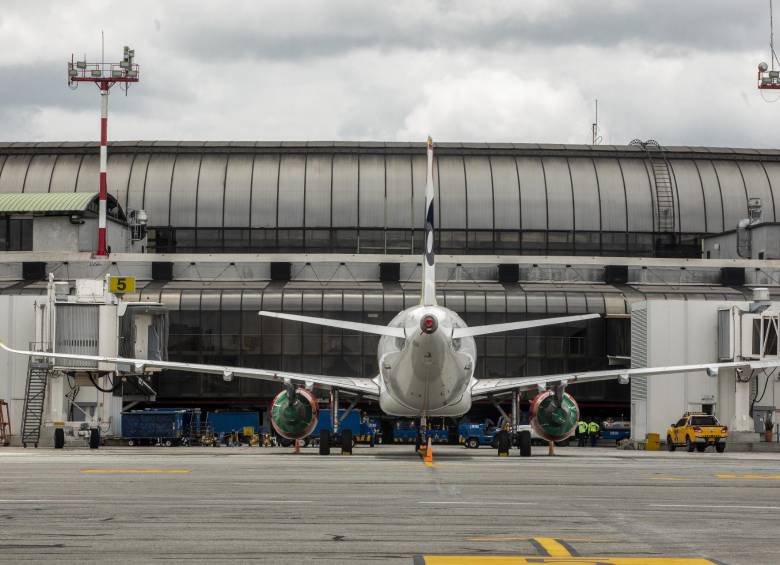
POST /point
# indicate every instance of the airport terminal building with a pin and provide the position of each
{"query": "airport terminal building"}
(335, 229)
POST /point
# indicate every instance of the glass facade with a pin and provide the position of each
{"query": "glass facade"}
(16, 234)
(409, 241)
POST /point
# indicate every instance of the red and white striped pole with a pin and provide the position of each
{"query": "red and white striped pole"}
(103, 194)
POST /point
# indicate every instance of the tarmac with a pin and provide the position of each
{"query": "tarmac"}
(385, 505)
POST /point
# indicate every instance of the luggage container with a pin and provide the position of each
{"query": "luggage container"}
(159, 426)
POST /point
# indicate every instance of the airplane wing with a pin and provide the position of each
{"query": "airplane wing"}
(343, 324)
(486, 387)
(365, 386)
(509, 326)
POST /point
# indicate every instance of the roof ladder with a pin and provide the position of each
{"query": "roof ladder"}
(34, 399)
(662, 177)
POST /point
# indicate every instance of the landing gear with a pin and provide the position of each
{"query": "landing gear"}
(346, 442)
(94, 438)
(325, 442)
(524, 442)
(59, 438)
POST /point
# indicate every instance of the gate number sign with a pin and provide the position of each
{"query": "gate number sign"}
(120, 285)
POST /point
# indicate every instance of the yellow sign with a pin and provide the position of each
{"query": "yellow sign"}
(120, 285)
(553, 551)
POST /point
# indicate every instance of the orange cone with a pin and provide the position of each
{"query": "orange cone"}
(429, 453)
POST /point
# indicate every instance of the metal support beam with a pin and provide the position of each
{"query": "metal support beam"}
(498, 407)
(334, 410)
(349, 408)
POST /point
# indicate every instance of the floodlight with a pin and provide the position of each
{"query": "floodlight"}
(81, 64)
(97, 73)
(227, 376)
(712, 372)
(763, 67)
(624, 379)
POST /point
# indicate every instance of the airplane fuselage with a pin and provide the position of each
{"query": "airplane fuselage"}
(427, 372)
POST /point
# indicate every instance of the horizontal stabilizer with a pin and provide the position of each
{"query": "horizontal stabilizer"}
(510, 326)
(342, 324)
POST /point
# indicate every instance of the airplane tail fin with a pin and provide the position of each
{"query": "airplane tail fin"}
(429, 263)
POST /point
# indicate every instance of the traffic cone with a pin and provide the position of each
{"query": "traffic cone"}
(429, 453)
(297, 446)
(551, 448)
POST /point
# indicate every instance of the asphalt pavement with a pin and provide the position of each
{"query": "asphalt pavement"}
(384, 505)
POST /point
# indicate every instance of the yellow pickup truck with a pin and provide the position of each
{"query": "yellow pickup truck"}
(697, 430)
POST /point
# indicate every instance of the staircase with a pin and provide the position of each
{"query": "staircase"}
(34, 398)
(664, 191)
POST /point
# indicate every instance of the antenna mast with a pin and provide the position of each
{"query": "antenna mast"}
(596, 138)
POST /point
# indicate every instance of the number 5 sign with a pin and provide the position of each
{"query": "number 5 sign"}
(120, 285)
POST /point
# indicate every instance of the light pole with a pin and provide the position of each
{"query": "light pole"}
(104, 75)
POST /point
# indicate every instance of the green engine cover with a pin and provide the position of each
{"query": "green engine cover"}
(294, 420)
(553, 422)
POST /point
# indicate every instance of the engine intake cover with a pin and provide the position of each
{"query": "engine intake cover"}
(294, 419)
(553, 422)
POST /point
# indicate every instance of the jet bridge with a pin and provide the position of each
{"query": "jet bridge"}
(84, 399)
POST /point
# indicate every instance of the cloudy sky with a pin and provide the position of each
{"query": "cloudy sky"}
(679, 72)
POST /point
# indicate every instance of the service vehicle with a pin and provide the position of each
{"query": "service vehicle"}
(473, 435)
(697, 430)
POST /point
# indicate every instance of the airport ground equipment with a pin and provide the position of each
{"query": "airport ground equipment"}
(225, 422)
(160, 426)
(616, 430)
(5, 423)
(697, 430)
(474, 435)
(84, 398)
(34, 400)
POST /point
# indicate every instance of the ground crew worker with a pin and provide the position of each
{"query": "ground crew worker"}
(582, 433)
(593, 432)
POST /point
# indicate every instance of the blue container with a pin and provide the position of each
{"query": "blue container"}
(351, 422)
(157, 423)
(228, 422)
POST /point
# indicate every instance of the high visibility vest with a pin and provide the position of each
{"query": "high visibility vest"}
(593, 428)
(582, 427)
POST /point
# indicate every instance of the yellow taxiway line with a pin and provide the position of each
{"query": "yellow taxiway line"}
(553, 551)
(727, 476)
(136, 471)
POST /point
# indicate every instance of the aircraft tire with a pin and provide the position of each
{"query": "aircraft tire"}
(94, 438)
(346, 442)
(524, 441)
(325, 442)
(59, 438)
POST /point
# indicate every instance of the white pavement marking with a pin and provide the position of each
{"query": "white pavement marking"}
(735, 506)
(478, 502)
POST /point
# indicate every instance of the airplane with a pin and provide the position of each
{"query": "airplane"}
(426, 357)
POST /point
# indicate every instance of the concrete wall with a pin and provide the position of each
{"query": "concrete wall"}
(17, 329)
(764, 238)
(682, 333)
(55, 233)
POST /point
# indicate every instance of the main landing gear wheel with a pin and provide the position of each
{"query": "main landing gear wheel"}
(346, 442)
(94, 438)
(59, 438)
(670, 444)
(325, 442)
(524, 441)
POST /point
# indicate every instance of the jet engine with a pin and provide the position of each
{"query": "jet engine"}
(554, 415)
(294, 413)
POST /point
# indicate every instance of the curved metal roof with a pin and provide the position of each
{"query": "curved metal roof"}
(380, 185)
(57, 203)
